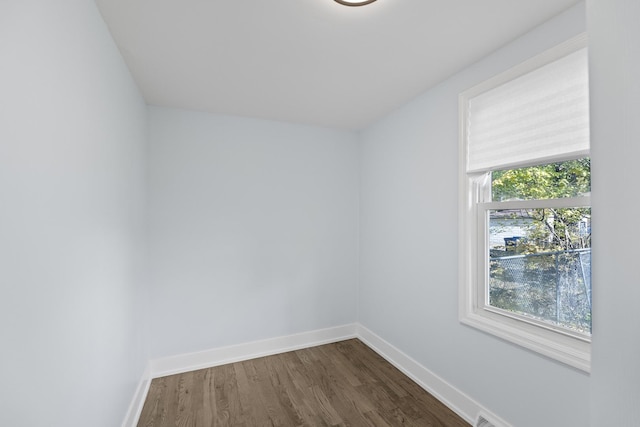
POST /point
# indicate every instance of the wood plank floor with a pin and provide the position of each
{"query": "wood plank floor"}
(340, 384)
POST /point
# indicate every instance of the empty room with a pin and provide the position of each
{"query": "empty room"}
(319, 212)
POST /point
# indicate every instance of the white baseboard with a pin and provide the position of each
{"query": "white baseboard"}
(135, 408)
(221, 356)
(457, 401)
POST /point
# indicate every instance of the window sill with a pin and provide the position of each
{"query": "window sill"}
(567, 349)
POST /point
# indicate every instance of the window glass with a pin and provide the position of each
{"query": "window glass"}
(540, 258)
(551, 181)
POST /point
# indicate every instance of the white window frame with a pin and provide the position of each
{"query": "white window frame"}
(558, 343)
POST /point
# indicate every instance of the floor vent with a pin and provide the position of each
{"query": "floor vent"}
(483, 422)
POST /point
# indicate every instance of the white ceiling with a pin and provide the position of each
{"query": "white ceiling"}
(308, 61)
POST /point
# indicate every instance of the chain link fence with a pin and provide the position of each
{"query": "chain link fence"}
(554, 287)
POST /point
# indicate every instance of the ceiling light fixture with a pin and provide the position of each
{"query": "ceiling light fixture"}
(354, 3)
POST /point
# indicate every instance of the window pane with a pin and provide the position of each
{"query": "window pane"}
(552, 181)
(540, 265)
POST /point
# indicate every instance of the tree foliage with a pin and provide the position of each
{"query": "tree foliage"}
(553, 229)
(552, 181)
(550, 282)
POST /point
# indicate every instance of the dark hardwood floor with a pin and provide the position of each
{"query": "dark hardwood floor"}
(340, 384)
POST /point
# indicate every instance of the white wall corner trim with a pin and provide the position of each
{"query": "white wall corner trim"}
(456, 400)
(140, 395)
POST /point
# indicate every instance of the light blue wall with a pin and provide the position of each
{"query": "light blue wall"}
(614, 50)
(253, 229)
(72, 145)
(409, 251)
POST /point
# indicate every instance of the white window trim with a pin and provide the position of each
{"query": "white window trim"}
(555, 343)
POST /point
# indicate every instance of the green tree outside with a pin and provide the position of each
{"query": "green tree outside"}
(554, 229)
(545, 280)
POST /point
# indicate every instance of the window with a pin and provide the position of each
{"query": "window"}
(525, 216)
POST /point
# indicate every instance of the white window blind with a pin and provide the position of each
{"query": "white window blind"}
(541, 115)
